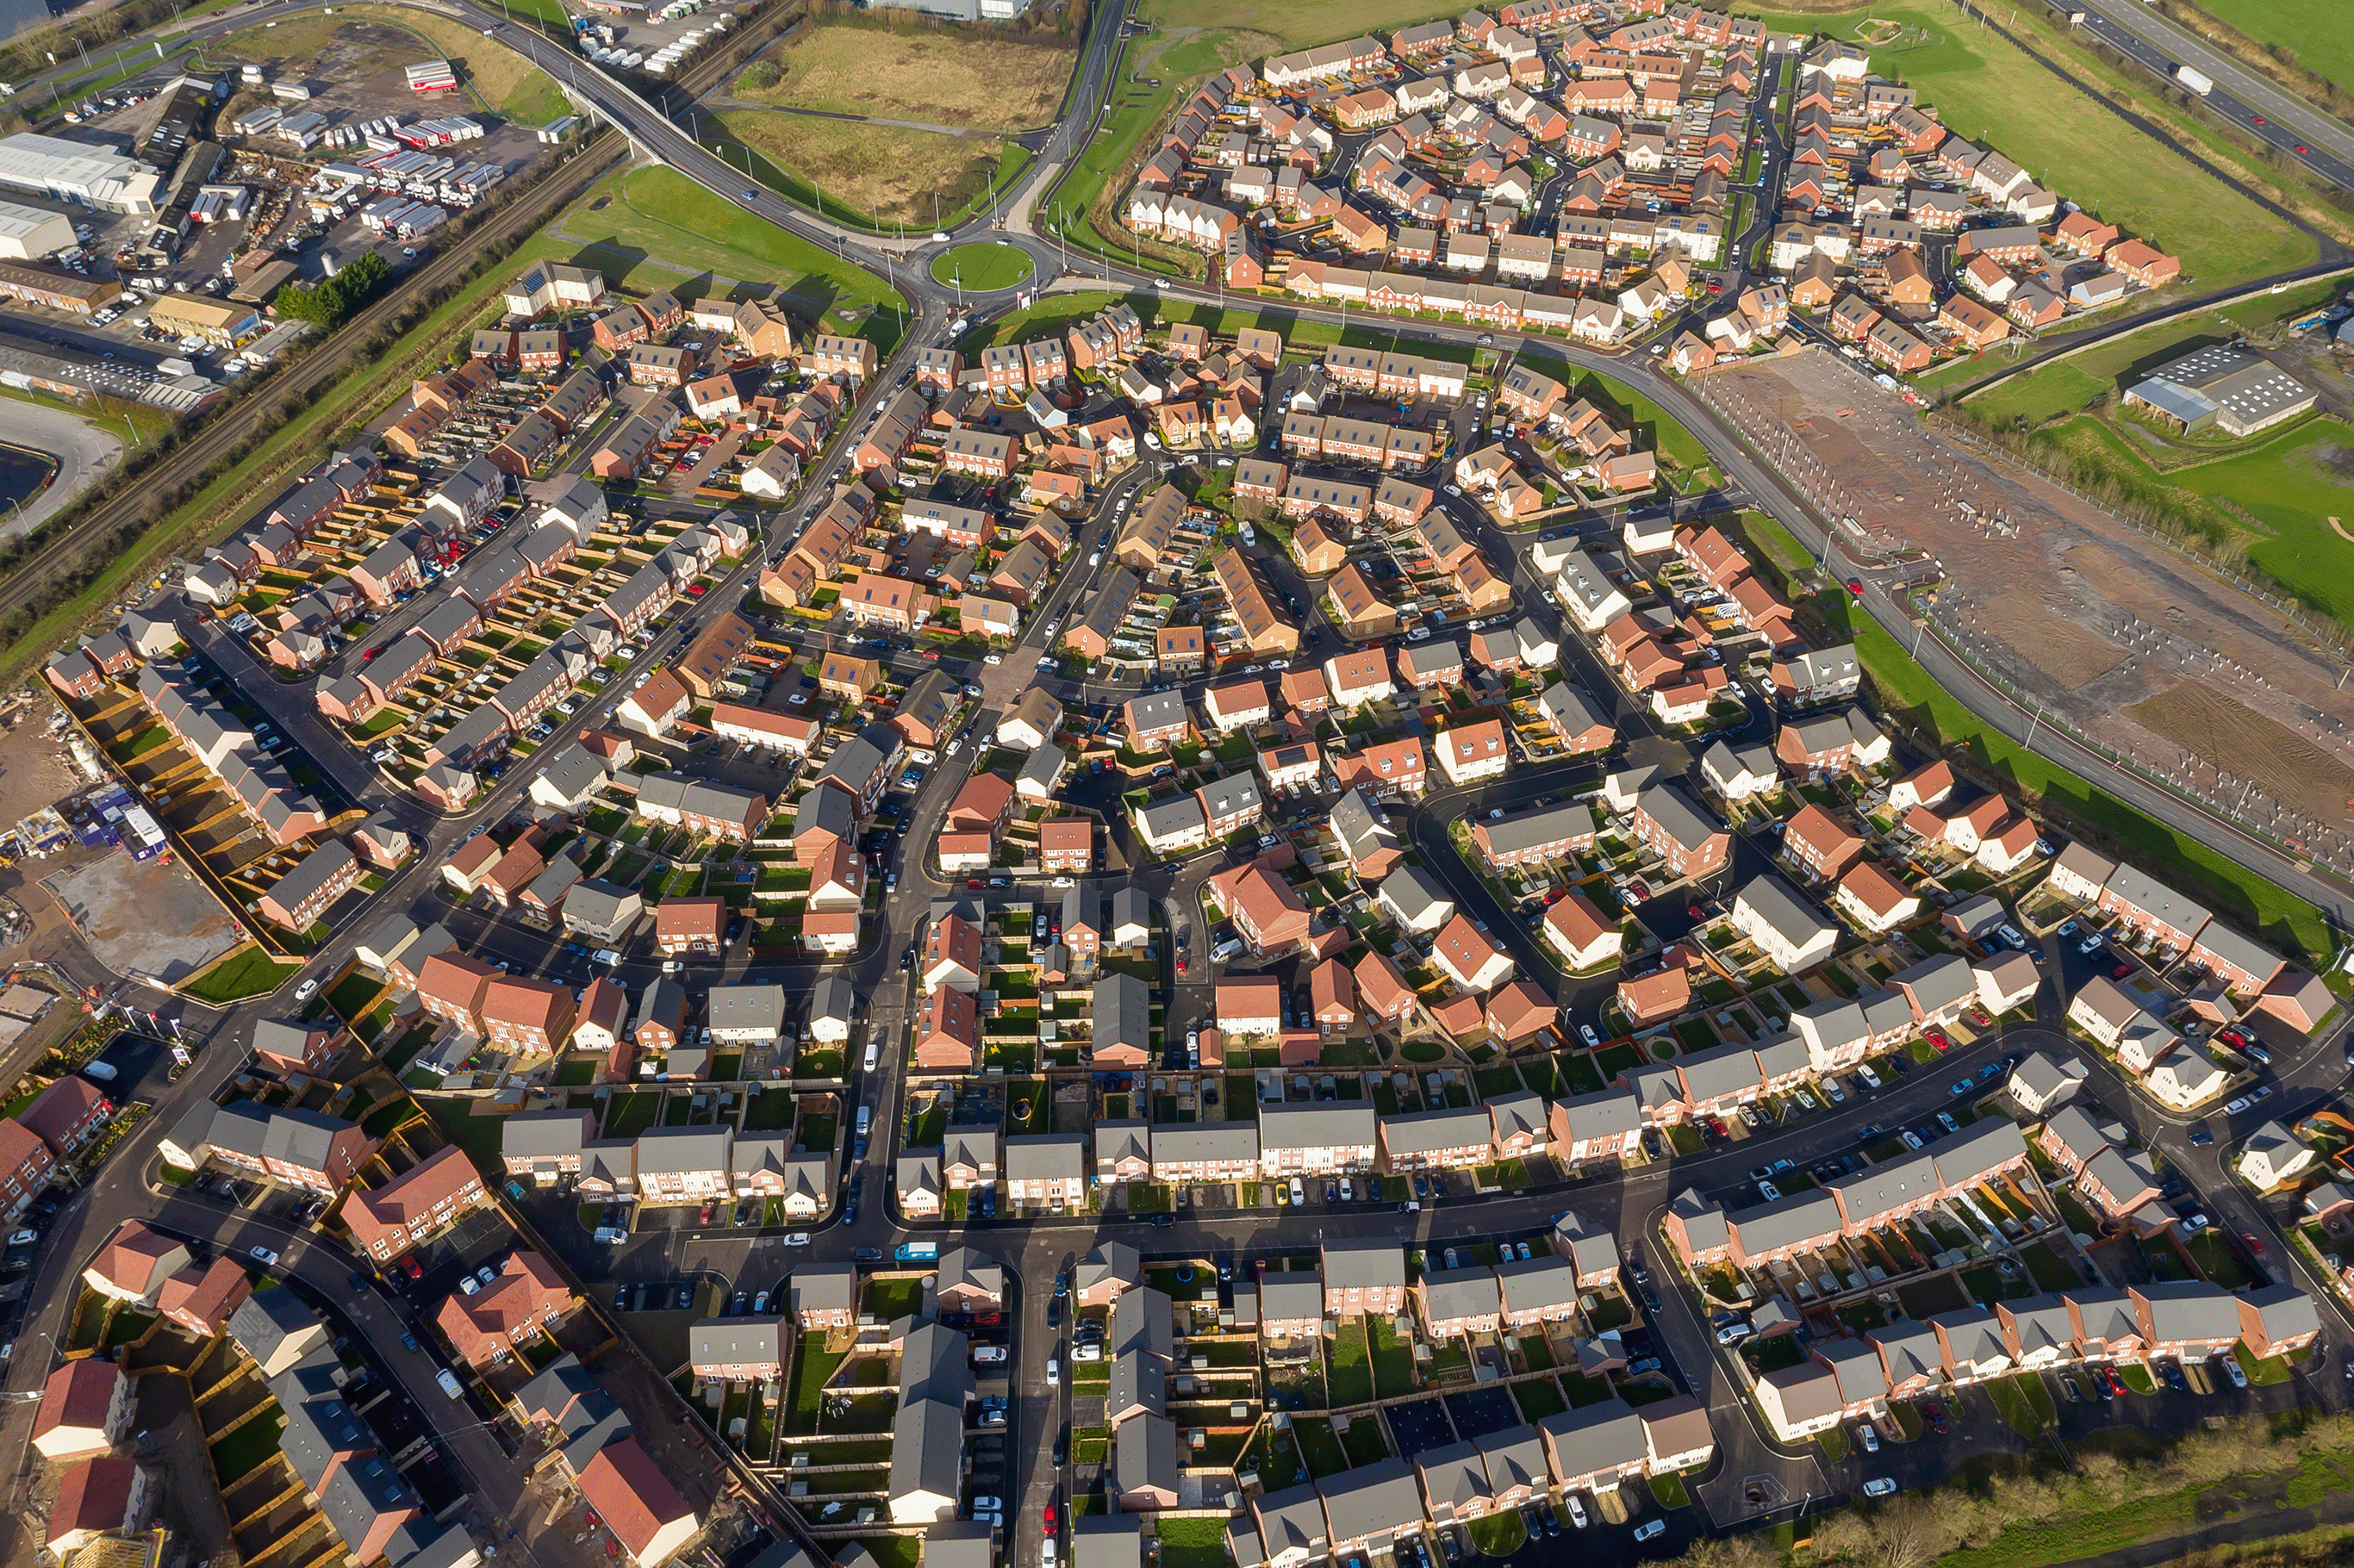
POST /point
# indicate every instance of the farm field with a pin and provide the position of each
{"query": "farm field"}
(870, 174)
(1994, 94)
(925, 77)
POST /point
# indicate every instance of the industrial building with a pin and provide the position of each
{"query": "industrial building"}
(29, 233)
(82, 172)
(2224, 387)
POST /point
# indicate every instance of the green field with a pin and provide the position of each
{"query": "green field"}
(1992, 92)
(981, 268)
(2064, 387)
(1296, 25)
(2254, 903)
(635, 221)
(2315, 31)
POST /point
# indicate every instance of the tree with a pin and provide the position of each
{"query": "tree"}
(330, 302)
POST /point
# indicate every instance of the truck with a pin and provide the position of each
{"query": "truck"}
(918, 1252)
(2197, 81)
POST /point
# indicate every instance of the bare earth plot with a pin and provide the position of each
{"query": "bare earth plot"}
(2125, 641)
(143, 916)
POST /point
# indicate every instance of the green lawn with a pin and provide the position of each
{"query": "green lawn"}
(247, 974)
(1991, 91)
(1349, 1371)
(2256, 904)
(981, 268)
(1191, 1543)
(1319, 1447)
(1393, 1361)
(1293, 27)
(1538, 1397)
(655, 215)
(628, 1115)
(249, 1447)
(812, 1368)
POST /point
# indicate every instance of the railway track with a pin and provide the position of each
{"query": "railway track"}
(318, 372)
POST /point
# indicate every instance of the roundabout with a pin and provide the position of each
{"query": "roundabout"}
(982, 268)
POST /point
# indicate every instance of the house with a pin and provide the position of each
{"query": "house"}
(133, 1264)
(648, 1517)
(522, 1306)
(85, 1409)
(1596, 1447)
(2041, 1085)
(1581, 933)
(1801, 1401)
(422, 1201)
(2272, 1158)
(1781, 927)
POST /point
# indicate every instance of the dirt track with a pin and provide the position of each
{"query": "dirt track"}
(2125, 640)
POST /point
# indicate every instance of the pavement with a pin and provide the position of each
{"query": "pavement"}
(83, 450)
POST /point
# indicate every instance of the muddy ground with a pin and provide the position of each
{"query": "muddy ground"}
(2130, 642)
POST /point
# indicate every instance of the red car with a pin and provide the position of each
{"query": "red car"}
(412, 1268)
(1937, 1040)
(2117, 1384)
(2255, 1247)
(1855, 585)
(2302, 149)
(933, 655)
(1714, 287)
(972, 884)
(1181, 966)
(1049, 1520)
(2260, 119)
(2121, 971)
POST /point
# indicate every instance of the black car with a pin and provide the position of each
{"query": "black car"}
(870, 1254)
(1055, 1312)
(1164, 1221)
(1650, 1302)
(1063, 1447)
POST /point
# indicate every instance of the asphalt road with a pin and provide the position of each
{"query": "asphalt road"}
(2241, 97)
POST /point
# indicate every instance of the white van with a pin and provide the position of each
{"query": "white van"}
(865, 1113)
(449, 1386)
(873, 1054)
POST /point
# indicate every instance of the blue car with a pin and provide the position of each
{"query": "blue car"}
(408, 1341)
(359, 1285)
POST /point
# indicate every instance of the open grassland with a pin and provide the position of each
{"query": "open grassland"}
(870, 174)
(2319, 33)
(634, 222)
(930, 77)
(2276, 496)
(1298, 24)
(1992, 92)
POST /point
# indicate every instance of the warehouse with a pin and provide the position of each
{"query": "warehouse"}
(29, 233)
(218, 320)
(2230, 388)
(80, 171)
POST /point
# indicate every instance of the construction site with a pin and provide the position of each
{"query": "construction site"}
(2114, 634)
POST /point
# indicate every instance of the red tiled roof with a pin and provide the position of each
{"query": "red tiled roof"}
(691, 917)
(408, 1199)
(622, 1484)
(130, 1257)
(77, 1396)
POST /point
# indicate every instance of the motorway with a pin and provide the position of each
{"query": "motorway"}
(2241, 96)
